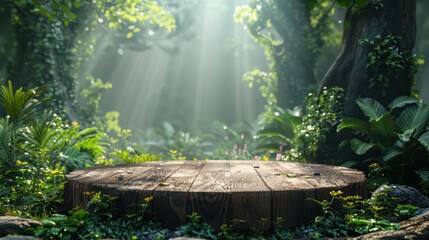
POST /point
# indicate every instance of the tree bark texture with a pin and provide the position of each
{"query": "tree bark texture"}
(350, 70)
(296, 58)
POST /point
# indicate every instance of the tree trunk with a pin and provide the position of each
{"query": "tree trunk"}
(296, 58)
(352, 69)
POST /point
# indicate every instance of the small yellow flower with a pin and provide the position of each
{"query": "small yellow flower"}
(75, 123)
(40, 193)
(373, 165)
(126, 131)
(357, 197)
(265, 158)
(195, 159)
(18, 162)
(148, 199)
(350, 203)
(349, 216)
(344, 198)
(377, 208)
(336, 193)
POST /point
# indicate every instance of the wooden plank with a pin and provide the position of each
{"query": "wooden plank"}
(208, 196)
(290, 189)
(170, 199)
(126, 202)
(250, 197)
(84, 182)
(141, 186)
(283, 177)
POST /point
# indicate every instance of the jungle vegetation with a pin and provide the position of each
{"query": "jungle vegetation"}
(332, 81)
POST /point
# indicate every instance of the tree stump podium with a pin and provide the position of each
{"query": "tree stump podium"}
(220, 191)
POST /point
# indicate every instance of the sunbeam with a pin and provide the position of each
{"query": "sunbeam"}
(198, 83)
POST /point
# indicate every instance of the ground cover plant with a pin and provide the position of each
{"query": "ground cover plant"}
(45, 148)
(396, 137)
(366, 113)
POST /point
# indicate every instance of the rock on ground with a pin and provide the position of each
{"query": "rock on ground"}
(19, 238)
(404, 195)
(413, 228)
(15, 225)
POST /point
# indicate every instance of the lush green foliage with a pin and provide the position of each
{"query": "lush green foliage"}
(197, 229)
(175, 144)
(95, 223)
(303, 138)
(312, 135)
(55, 39)
(396, 137)
(292, 34)
(353, 215)
(234, 142)
(37, 148)
(386, 60)
(276, 130)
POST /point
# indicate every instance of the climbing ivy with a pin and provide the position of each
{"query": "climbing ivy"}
(291, 34)
(386, 60)
(54, 39)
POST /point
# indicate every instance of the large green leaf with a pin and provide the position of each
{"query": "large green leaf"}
(402, 101)
(423, 174)
(354, 124)
(277, 126)
(406, 136)
(293, 120)
(390, 153)
(350, 164)
(273, 133)
(424, 140)
(18, 104)
(5, 134)
(360, 147)
(283, 117)
(414, 117)
(39, 133)
(382, 130)
(371, 108)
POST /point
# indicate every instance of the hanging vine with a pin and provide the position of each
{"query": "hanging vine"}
(53, 39)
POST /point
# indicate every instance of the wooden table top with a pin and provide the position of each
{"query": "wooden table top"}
(219, 190)
(219, 176)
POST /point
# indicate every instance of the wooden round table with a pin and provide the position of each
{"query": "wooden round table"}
(220, 191)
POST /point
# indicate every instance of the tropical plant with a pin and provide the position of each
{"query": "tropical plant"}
(276, 130)
(310, 142)
(234, 142)
(37, 148)
(19, 105)
(395, 137)
(169, 139)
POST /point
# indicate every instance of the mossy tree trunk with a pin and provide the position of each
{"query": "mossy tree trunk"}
(391, 25)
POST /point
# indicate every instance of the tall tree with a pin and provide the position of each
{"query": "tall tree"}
(292, 34)
(377, 57)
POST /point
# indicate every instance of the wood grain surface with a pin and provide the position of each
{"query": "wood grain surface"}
(254, 193)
